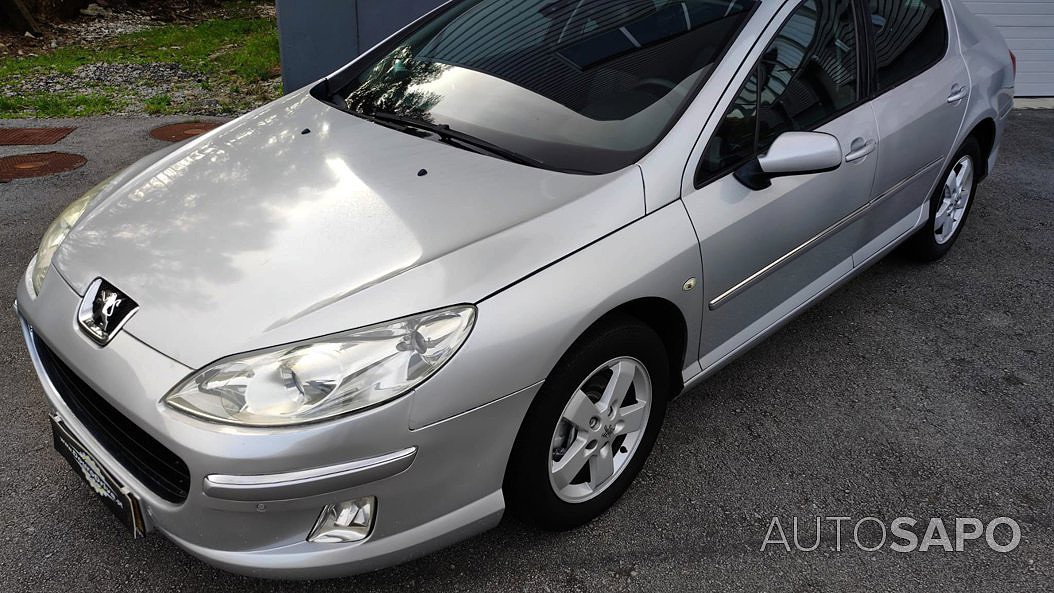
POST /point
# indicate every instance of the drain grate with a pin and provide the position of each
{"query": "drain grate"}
(34, 136)
(38, 164)
(180, 132)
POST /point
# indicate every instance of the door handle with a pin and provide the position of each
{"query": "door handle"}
(860, 149)
(959, 92)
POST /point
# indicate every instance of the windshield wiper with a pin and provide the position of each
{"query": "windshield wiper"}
(455, 137)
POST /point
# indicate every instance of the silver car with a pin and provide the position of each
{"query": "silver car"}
(467, 272)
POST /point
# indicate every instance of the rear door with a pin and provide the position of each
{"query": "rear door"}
(921, 88)
(766, 252)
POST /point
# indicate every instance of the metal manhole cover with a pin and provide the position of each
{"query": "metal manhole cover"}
(38, 165)
(180, 132)
(32, 136)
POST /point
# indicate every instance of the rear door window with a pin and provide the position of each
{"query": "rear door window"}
(910, 37)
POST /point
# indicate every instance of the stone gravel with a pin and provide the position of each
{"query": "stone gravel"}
(105, 26)
(144, 80)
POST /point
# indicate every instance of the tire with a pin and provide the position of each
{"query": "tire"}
(548, 441)
(932, 242)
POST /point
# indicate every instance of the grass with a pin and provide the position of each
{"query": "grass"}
(58, 105)
(158, 105)
(234, 55)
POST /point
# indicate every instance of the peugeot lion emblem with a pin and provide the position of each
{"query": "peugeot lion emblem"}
(104, 310)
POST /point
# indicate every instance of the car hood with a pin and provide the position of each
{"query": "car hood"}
(299, 220)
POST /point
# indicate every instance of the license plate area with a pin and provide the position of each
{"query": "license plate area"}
(118, 498)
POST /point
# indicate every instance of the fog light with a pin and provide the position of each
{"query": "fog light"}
(345, 522)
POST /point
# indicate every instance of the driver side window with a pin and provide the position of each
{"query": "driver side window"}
(807, 76)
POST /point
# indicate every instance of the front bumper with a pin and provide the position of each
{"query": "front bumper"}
(256, 493)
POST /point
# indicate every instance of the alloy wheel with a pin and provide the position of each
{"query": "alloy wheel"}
(958, 188)
(600, 429)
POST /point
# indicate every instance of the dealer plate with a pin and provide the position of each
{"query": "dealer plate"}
(120, 500)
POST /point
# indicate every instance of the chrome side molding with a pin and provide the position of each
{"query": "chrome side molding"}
(813, 242)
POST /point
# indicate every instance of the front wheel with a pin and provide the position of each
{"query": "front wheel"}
(591, 427)
(949, 207)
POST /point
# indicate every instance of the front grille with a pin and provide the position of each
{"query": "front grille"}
(158, 468)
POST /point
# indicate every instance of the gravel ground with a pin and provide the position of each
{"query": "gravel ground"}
(920, 391)
(140, 80)
(119, 18)
(137, 83)
(96, 27)
(132, 86)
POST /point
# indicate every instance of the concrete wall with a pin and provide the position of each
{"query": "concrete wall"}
(319, 36)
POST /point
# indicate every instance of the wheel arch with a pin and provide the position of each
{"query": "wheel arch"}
(985, 133)
(667, 321)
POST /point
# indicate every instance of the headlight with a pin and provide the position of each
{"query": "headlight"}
(57, 232)
(327, 377)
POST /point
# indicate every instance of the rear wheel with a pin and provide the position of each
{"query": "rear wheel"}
(593, 424)
(949, 207)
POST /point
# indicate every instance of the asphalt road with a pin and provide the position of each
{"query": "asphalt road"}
(918, 391)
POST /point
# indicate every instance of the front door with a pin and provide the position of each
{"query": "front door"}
(767, 252)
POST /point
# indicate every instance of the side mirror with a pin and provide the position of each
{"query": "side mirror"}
(793, 153)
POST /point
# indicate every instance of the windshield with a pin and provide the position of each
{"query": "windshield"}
(578, 85)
